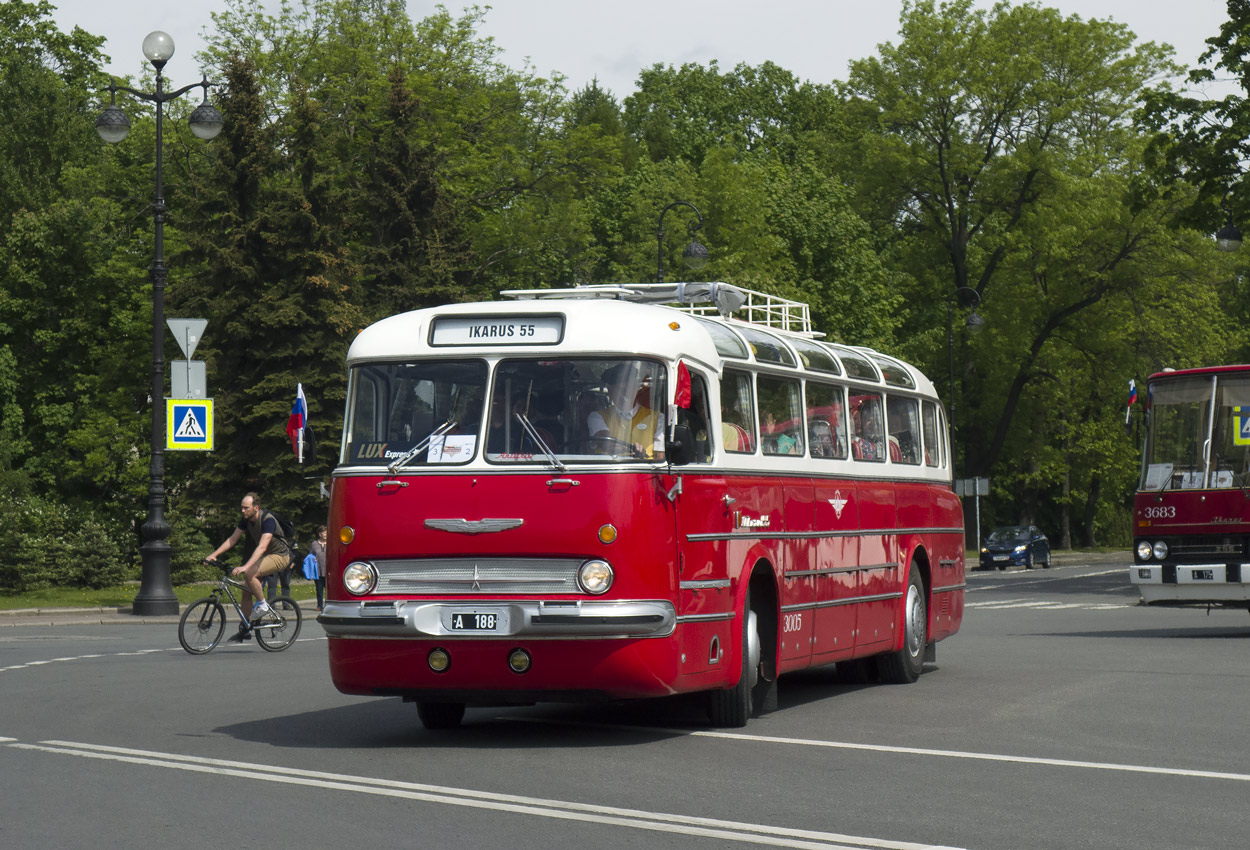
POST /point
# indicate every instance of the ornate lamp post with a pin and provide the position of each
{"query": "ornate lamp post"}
(968, 297)
(1228, 237)
(695, 255)
(156, 593)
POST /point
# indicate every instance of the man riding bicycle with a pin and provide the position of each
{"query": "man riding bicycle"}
(269, 555)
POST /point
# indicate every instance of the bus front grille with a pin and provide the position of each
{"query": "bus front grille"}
(490, 576)
(1206, 546)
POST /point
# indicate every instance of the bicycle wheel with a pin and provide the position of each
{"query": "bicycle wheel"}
(281, 630)
(201, 625)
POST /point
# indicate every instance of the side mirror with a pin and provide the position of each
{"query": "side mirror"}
(680, 449)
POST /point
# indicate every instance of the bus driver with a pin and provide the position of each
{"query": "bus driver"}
(627, 421)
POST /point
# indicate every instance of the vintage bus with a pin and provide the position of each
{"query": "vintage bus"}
(1191, 513)
(612, 492)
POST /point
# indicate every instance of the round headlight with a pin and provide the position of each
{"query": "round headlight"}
(1161, 549)
(1143, 550)
(360, 578)
(595, 577)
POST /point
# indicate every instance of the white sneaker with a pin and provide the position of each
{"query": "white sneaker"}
(260, 612)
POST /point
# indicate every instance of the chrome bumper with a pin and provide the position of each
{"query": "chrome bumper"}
(529, 619)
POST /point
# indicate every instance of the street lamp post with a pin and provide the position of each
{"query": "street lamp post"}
(969, 297)
(695, 255)
(156, 593)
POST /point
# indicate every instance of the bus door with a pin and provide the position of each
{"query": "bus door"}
(704, 512)
(837, 564)
(798, 573)
(879, 571)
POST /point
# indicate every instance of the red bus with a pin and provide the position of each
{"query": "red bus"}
(1190, 514)
(591, 494)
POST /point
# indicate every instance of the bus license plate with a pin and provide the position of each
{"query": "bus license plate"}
(476, 621)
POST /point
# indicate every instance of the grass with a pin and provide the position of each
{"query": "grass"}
(122, 596)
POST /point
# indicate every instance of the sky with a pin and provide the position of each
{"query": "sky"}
(586, 40)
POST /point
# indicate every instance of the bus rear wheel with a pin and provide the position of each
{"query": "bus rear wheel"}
(440, 715)
(905, 665)
(733, 707)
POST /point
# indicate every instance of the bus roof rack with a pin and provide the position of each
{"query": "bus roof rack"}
(761, 308)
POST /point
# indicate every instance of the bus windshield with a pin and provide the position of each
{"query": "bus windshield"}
(1193, 442)
(581, 410)
(539, 411)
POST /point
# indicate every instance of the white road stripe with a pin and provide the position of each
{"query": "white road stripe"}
(917, 751)
(563, 810)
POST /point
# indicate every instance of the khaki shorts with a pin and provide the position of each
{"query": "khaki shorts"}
(271, 564)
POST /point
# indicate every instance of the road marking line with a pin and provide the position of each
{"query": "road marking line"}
(41, 662)
(913, 751)
(559, 809)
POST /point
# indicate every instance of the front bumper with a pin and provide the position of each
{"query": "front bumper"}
(510, 618)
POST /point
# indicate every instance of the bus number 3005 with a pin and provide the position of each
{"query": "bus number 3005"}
(792, 622)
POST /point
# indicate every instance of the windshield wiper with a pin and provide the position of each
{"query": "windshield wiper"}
(533, 434)
(402, 461)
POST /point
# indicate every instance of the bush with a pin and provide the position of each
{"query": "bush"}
(58, 546)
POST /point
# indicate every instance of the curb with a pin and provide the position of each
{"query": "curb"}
(81, 617)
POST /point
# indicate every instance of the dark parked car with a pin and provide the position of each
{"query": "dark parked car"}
(1015, 545)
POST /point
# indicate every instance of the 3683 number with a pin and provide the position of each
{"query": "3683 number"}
(1160, 512)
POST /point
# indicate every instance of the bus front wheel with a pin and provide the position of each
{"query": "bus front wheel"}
(733, 707)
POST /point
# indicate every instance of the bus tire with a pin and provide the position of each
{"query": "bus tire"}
(905, 665)
(440, 715)
(733, 707)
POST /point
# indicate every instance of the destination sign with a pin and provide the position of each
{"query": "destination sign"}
(497, 330)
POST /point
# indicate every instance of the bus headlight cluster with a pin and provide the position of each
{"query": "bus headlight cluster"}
(360, 578)
(1145, 549)
(595, 576)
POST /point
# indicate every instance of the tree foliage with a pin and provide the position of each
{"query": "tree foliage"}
(371, 163)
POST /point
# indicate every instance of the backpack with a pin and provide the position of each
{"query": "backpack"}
(286, 532)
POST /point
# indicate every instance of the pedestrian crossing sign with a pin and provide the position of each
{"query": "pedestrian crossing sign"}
(1241, 426)
(189, 424)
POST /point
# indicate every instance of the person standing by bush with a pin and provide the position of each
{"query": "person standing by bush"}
(317, 551)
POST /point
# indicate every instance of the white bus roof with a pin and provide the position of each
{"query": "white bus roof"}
(636, 318)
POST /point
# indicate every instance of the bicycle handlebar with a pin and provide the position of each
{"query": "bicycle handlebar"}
(221, 565)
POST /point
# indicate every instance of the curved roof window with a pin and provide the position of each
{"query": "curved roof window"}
(815, 357)
(856, 364)
(767, 348)
(726, 341)
(895, 374)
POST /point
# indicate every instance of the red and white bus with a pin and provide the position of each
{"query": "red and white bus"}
(1191, 514)
(585, 494)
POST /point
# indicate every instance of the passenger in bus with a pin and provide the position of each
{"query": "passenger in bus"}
(866, 441)
(627, 423)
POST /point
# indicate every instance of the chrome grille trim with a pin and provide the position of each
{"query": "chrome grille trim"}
(469, 575)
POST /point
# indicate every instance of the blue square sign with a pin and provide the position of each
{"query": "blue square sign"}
(189, 424)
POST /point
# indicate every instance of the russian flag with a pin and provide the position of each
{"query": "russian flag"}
(1132, 398)
(296, 422)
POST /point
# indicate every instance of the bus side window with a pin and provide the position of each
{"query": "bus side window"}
(903, 425)
(781, 418)
(932, 449)
(696, 418)
(737, 413)
(826, 421)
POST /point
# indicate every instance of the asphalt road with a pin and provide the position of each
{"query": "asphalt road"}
(1063, 715)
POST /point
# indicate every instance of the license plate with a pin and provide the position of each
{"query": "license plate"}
(1000, 557)
(476, 621)
(1203, 575)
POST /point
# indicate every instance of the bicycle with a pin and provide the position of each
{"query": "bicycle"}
(204, 621)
